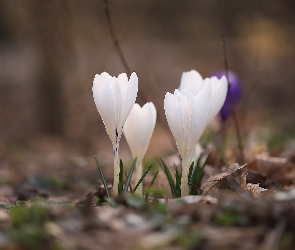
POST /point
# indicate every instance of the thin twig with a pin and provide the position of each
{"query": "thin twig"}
(141, 92)
(256, 81)
(118, 47)
(232, 105)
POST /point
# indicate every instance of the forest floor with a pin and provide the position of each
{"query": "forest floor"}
(50, 200)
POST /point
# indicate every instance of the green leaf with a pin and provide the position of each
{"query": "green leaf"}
(126, 175)
(142, 177)
(151, 185)
(130, 175)
(193, 181)
(102, 176)
(190, 172)
(121, 174)
(197, 174)
(169, 177)
(205, 162)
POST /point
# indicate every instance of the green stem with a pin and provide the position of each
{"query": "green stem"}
(184, 178)
(138, 176)
(116, 169)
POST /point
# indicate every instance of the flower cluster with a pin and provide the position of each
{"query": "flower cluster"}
(188, 111)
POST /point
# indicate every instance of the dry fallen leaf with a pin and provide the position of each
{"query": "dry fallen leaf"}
(253, 188)
(215, 179)
(275, 169)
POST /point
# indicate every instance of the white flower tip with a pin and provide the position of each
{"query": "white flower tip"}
(122, 75)
(106, 76)
(134, 80)
(191, 72)
(134, 75)
(153, 111)
(167, 94)
(223, 79)
(96, 77)
(214, 78)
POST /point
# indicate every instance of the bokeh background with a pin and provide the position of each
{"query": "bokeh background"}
(51, 50)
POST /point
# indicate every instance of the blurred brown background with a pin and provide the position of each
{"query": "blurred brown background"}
(51, 50)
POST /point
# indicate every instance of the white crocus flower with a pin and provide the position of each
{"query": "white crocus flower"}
(138, 131)
(187, 116)
(114, 98)
(192, 82)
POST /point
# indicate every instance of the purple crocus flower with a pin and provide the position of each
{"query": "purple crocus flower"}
(235, 89)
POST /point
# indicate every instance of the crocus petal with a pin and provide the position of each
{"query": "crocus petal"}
(218, 96)
(129, 127)
(148, 120)
(186, 111)
(123, 80)
(207, 87)
(178, 95)
(187, 92)
(117, 96)
(101, 92)
(201, 103)
(191, 81)
(174, 118)
(106, 77)
(129, 97)
(139, 127)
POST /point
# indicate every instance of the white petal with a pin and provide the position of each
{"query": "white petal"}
(144, 130)
(105, 76)
(123, 80)
(154, 112)
(186, 110)
(138, 129)
(148, 111)
(214, 83)
(192, 81)
(174, 118)
(103, 99)
(187, 93)
(117, 95)
(206, 87)
(201, 104)
(129, 97)
(178, 95)
(218, 96)
(129, 126)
